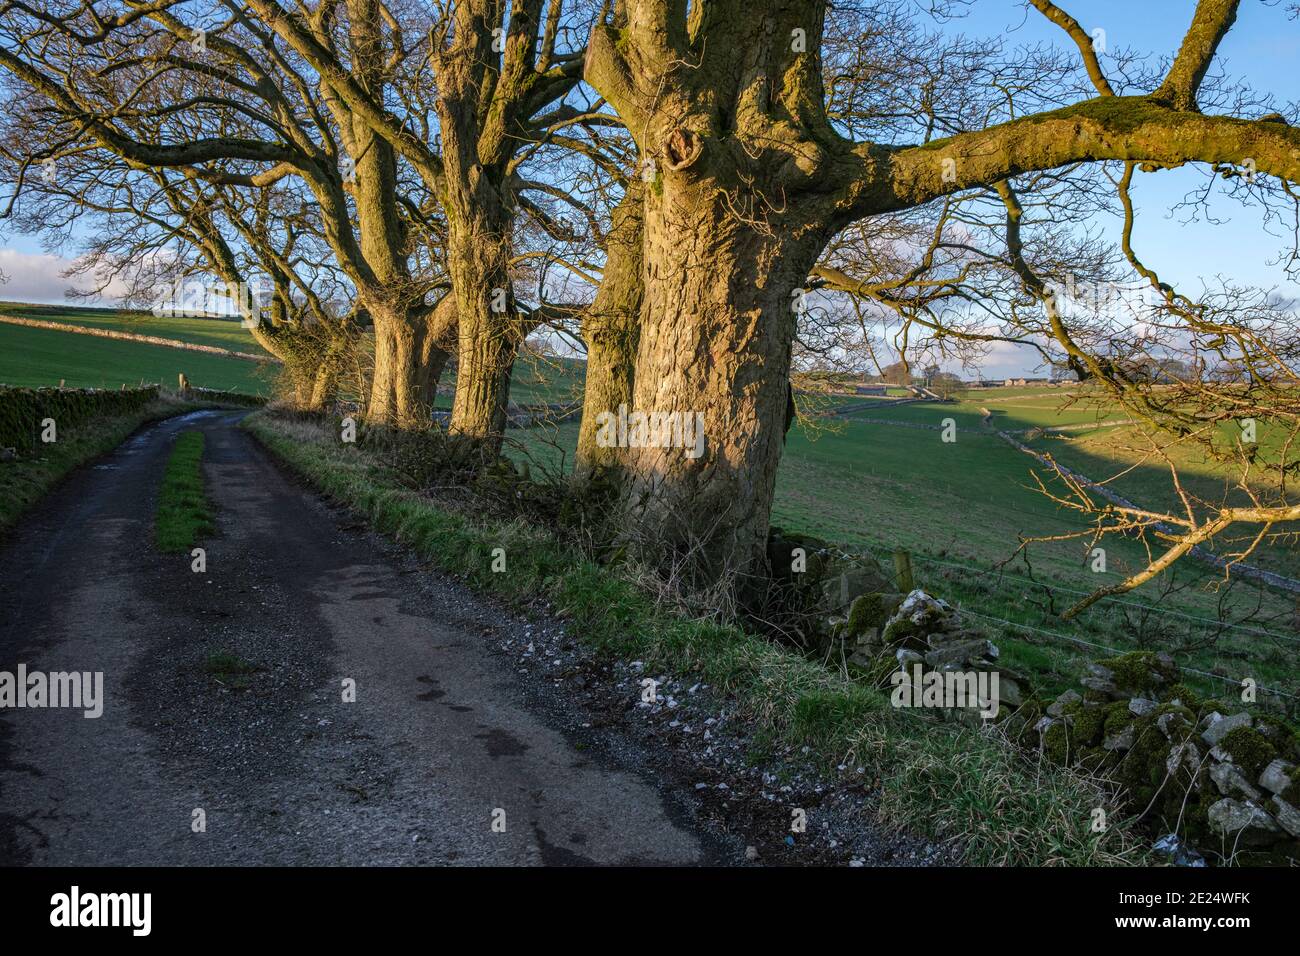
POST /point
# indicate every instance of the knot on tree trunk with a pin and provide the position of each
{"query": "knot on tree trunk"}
(682, 148)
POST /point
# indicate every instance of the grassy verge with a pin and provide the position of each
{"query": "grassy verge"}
(940, 779)
(184, 514)
(26, 480)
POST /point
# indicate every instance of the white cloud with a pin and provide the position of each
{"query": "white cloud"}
(38, 277)
(1009, 360)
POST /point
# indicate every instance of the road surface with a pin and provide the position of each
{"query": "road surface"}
(191, 767)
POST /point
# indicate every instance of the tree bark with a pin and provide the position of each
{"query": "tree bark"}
(611, 330)
(717, 327)
(735, 216)
(399, 390)
(439, 343)
(488, 335)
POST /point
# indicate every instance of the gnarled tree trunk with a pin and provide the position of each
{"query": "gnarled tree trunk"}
(610, 328)
(734, 219)
(717, 327)
(488, 331)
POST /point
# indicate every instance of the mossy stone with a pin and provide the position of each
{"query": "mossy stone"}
(1249, 750)
(1144, 672)
(1087, 723)
(866, 613)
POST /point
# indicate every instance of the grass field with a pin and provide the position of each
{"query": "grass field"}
(536, 380)
(961, 508)
(44, 356)
(34, 357)
(1137, 466)
(222, 333)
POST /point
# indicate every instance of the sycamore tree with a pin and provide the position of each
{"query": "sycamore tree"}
(178, 243)
(500, 81)
(212, 96)
(749, 179)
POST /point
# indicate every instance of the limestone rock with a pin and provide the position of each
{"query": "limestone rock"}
(1229, 816)
(1057, 707)
(1231, 782)
(1185, 755)
(1218, 729)
(1122, 740)
(918, 616)
(1140, 706)
(1276, 776)
(1010, 692)
(961, 652)
(1100, 679)
(1288, 816)
(1137, 674)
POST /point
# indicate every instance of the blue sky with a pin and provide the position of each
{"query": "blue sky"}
(1263, 48)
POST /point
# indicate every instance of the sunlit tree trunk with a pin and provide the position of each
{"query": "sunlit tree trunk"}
(610, 329)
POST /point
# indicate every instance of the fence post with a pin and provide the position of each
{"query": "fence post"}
(903, 571)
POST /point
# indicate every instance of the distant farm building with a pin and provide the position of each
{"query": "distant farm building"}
(1021, 382)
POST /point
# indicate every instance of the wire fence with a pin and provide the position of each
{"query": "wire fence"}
(1082, 642)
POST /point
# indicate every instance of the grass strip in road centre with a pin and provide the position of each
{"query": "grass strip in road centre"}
(184, 513)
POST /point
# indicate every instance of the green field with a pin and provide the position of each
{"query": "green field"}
(43, 356)
(34, 357)
(536, 380)
(221, 333)
(961, 508)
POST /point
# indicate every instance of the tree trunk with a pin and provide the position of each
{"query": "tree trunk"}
(488, 332)
(717, 326)
(324, 387)
(300, 361)
(399, 390)
(439, 342)
(610, 329)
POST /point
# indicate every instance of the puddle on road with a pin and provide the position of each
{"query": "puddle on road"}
(502, 743)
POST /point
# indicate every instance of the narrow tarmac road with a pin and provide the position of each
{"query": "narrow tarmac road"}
(440, 741)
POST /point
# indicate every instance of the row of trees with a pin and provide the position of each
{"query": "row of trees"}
(710, 197)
